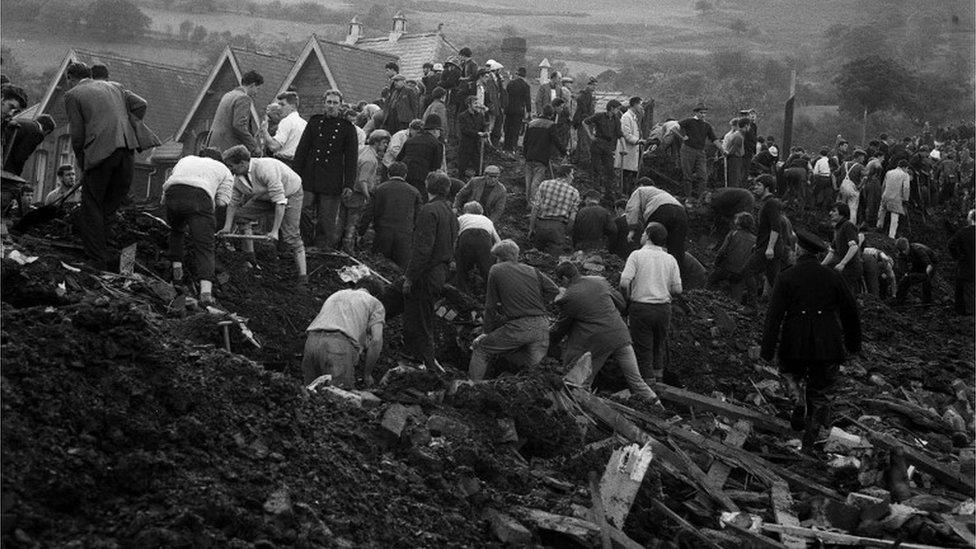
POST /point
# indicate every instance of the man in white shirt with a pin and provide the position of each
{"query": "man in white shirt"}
(196, 185)
(264, 186)
(290, 128)
(648, 282)
(822, 181)
(476, 236)
(349, 322)
(66, 181)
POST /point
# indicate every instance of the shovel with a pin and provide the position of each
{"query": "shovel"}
(44, 214)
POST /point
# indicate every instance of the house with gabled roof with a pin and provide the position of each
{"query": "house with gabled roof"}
(165, 88)
(413, 49)
(194, 129)
(324, 65)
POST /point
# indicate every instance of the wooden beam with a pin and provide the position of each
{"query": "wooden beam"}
(755, 538)
(760, 468)
(718, 473)
(599, 515)
(684, 524)
(732, 411)
(581, 530)
(782, 500)
(834, 538)
(952, 479)
(622, 480)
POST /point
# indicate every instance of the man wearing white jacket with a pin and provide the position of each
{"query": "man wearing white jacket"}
(628, 146)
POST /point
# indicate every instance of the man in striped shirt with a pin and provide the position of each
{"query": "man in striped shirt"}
(554, 209)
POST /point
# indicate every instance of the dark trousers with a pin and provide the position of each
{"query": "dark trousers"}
(320, 219)
(912, 279)
(737, 171)
(675, 219)
(418, 314)
(964, 295)
(823, 191)
(601, 158)
(694, 170)
(496, 129)
(759, 265)
(468, 156)
(820, 379)
(649, 326)
(394, 244)
(513, 127)
(191, 207)
(549, 236)
(105, 187)
(473, 250)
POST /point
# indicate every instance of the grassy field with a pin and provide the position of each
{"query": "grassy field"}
(39, 52)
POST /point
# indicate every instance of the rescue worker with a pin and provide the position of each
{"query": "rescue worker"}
(811, 321)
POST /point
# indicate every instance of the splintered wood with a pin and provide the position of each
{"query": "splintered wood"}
(622, 480)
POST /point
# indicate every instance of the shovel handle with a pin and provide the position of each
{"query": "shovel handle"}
(244, 236)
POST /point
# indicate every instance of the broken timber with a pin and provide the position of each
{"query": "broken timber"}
(673, 463)
(782, 500)
(685, 525)
(688, 398)
(952, 479)
(583, 531)
(718, 473)
(622, 480)
(834, 538)
(760, 468)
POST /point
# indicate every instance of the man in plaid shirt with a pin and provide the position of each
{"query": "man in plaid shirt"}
(554, 210)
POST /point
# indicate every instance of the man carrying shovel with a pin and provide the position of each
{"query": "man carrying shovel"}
(197, 184)
(264, 186)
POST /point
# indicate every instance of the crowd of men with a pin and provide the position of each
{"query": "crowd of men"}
(380, 172)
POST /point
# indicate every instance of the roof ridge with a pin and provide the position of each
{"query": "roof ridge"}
(353, 47)
(139, 61)
(262, 54)
(404, 35)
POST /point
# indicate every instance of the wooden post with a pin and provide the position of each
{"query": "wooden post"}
(788, 116)
(864, 129)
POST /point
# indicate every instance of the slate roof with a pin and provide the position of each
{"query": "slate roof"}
(167, 89)
(274, 69)
(358, 72)
(413, 50)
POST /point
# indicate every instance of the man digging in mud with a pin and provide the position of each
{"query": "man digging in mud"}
(813, 318)
(349, 322)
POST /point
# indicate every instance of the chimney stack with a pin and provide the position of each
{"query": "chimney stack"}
(355, 31)
(399, 26)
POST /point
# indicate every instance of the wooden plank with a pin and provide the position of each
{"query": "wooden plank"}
(689, 398)
(760, 468)
(581, 530)
(599, 514)
(960, 528)
(835, 538)
(685, 525)
(699, 476)
(782, 500)
(669, 460)
(622, 480)
(952, 479)
(718, 473)
(755, 538)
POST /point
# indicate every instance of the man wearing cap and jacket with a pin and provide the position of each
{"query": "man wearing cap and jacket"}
(423, 153)
(695, 134)
(471, 127)
(811, 321)
(486, 190)
(495, 97)
(518, 108)
(585, 108)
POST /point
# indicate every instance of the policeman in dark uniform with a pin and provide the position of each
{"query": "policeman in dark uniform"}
(813, 317)
(326, 158)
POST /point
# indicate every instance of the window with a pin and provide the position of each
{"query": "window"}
(40, 174)
(65, 154)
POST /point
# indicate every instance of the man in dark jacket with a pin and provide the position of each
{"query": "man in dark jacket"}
(434, 234)
(326, 158)
(471, 128)
(395, 206)
(423, 153)
(604, 136)
(541, 143)
(918, 267)
(589, 316)
(595, 225)
(518, 108)
(813, 319)
(585, 108)
(486, 190)
(29, 134)
(962, 248)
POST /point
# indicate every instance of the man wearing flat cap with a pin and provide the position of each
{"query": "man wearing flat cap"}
(695, 134)
(814, 322)
(486, 190)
